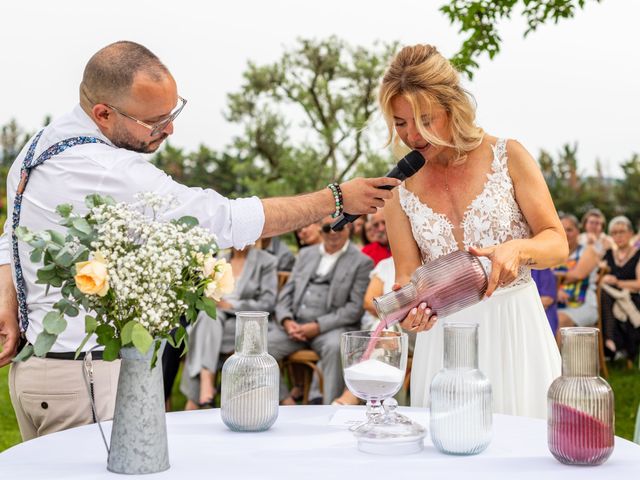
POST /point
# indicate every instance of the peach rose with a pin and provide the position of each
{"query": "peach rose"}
(92, 277)
(222, 282)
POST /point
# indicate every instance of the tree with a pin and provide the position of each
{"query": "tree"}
(203, 168)
(571, 190)
(628, 190)
(12, 139)
(305, 117)
(479, 18)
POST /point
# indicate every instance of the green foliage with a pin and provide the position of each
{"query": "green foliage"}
(202, 168)
(115, 321)
(305, 116)
(574, 192)
(479, 19)
(628, 190)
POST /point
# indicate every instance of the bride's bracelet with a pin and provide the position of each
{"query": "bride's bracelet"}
(337, 196)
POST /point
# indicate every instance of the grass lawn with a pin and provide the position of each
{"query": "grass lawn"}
(625, 384)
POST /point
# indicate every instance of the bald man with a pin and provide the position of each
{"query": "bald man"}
(128, 104)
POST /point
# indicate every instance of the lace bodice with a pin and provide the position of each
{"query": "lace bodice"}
(493, 217)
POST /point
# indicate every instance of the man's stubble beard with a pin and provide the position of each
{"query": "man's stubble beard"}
(123, 139)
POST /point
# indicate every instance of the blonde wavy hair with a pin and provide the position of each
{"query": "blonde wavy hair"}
(423, 76)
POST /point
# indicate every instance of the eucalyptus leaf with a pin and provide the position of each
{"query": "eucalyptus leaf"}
(66, 307)
(64, 257)
(82, 225)
(56, 282)
(188, 221)
(24, 354)
(36, 255)
(64, 210)
(56, 237)
(54, 323)
(23, 234)
(141, 338)
(43, 344)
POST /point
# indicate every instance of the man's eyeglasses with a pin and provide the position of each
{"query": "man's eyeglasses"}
(157, 127)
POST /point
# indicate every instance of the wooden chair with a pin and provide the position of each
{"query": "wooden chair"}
(308, 360)
(603, 363)
(602, 271)
(283, 277)
(406, 385)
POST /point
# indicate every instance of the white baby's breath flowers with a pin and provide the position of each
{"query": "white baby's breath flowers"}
(152, 263)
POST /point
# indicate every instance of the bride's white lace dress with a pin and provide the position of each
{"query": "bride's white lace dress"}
(517, 350)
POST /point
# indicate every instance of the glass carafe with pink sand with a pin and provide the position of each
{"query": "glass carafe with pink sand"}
(448, 284)
(581, 409)
(374, 369)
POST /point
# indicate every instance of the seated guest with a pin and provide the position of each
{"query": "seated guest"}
(358, 232)
(276, 247)
(548, 291)
(593, 234)
(309, 235)
(256, 282)
(321, 300)
(619, 326)
(382, 279)
(577, 302)
(379, 248)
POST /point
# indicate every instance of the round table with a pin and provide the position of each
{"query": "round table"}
(309, 442)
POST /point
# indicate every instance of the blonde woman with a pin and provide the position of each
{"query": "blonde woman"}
(479, 193)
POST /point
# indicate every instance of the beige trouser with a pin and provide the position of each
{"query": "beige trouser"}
(49, 395)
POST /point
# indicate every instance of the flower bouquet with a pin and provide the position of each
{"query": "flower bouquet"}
(133, 276)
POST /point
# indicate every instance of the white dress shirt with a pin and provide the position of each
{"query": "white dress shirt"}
(97, 168)
(328, 260)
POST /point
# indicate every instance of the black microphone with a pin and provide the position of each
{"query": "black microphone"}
(406, 167)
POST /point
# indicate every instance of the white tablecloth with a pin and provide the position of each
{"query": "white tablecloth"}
(302, 445)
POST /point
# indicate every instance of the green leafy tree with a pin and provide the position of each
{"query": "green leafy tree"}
(478, 20)
(305, 117)
(573, 191)
(203, 168)
(628, 189)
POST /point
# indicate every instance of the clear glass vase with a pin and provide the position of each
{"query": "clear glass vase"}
(448, 284)
(581, 408)
(250, 378)
(461, 401)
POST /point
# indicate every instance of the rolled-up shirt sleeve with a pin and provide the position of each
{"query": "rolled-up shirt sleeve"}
(235, 223)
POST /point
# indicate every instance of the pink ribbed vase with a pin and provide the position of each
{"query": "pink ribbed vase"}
(581, 409)
(447, 285)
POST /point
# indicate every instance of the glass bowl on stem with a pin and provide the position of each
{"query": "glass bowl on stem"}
(374, 365)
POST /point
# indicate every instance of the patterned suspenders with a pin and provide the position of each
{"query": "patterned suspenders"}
(27, 167)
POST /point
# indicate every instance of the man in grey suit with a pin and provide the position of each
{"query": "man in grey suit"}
(322, 299)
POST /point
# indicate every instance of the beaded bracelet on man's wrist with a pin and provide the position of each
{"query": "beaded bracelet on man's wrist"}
(337, 196)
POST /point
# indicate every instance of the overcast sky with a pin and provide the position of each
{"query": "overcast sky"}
(572, 82)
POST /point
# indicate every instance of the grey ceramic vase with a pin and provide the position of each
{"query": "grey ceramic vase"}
(139, 433)
(250, 378)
